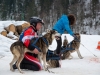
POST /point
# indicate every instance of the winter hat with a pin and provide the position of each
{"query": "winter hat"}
(71, 19)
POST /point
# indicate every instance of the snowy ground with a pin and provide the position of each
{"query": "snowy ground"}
(89, 65)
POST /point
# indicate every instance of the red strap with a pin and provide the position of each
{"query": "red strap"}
(31, 57)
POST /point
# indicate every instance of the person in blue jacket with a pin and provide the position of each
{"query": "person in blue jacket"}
(62, 25)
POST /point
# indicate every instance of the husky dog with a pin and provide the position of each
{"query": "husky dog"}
(75, 44)
(53, 60)
(18, 49)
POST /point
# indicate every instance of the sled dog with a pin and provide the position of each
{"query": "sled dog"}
(74, 45)
(18, 49)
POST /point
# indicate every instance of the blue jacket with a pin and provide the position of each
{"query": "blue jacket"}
(63, 25)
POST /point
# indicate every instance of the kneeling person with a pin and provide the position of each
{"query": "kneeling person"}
(30, 60)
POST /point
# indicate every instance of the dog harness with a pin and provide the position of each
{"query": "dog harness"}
(51, 56)
(69, 46)
(36, 39)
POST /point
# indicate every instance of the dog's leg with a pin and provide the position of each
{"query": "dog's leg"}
(70, 57)
(40, 57)
(14, 60)
(44, 61)
(79, 54)
(19, 61)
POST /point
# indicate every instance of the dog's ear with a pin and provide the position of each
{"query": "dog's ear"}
(43, 33)
(53, 31)
(48, 30)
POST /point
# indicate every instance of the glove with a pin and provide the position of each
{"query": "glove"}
(75, 37)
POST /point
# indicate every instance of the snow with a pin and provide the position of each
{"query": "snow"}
(89, 65)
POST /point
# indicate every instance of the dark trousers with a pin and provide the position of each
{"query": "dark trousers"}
(27, 64)
(59, 43)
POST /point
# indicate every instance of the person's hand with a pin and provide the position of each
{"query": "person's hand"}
(35, 51)
(75, 38)
(57, 37)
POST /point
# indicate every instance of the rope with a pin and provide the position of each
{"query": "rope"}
(88, 50)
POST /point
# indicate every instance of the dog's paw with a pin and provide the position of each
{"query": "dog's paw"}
(81, 57)
(21, 72)
(69, 58)
(46, 68)
(12, 69)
